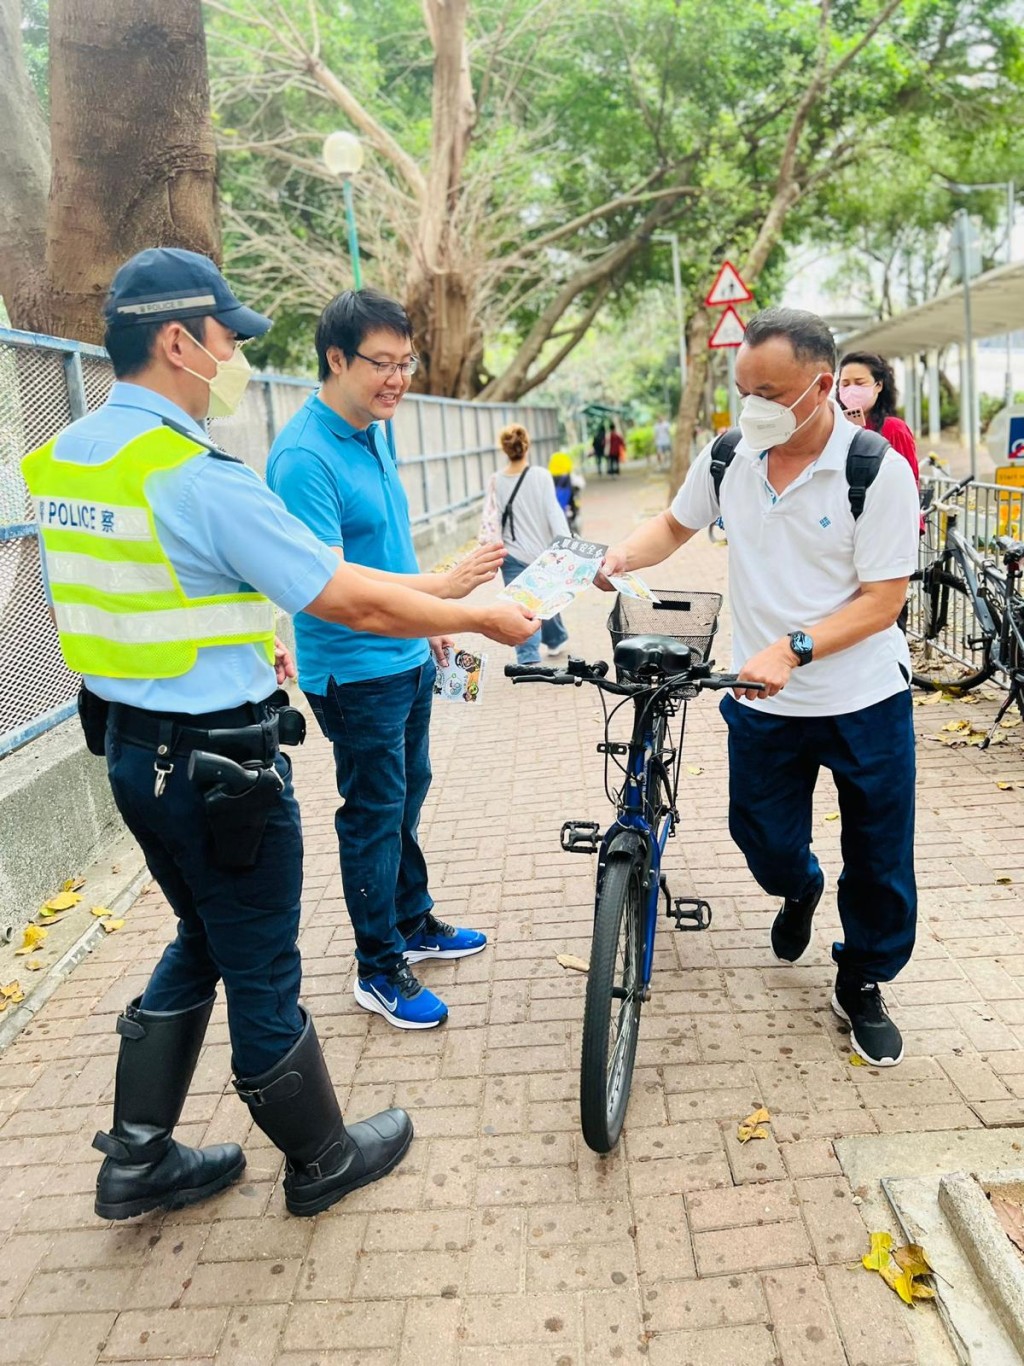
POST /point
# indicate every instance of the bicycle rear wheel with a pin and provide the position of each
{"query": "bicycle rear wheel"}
(611, 1016)
(947, 606)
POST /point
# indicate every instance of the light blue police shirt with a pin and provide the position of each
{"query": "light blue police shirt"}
(223, 531)
(344, 484)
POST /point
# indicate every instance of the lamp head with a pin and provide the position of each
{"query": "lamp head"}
(343, 154)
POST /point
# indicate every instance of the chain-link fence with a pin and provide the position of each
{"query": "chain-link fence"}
(447, 452)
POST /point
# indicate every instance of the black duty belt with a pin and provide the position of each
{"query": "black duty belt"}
(246, 733)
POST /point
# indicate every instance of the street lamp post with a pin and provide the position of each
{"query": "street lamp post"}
(1011, 211)
(343, 157)
(677, 280)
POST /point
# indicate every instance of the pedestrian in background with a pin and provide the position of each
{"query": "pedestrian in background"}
(531, 517)
(597, 446)
(662, 442)
(867, 395)
(616, 449)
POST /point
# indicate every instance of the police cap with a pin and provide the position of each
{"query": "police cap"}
(168, 282)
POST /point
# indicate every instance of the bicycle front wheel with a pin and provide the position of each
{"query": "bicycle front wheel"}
(611, 1016)
(947, 610)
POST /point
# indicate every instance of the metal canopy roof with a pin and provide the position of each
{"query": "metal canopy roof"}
(997, 307)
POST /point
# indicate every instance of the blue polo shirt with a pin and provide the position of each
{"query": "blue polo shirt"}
(223, 532)
(343, 483)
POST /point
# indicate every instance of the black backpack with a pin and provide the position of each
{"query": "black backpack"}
(862, 462)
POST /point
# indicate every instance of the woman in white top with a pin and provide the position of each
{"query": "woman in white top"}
(531, 517)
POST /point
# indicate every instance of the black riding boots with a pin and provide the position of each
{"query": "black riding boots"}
(295, 1105)
(144, 1168)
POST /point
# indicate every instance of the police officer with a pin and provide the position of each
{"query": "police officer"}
(163, 557)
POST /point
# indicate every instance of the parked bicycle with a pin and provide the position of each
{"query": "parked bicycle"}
(659, 655)
(971, 619)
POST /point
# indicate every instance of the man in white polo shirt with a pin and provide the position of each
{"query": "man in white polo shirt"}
(815, 593)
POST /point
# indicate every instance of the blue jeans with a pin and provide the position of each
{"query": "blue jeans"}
(550, 633)
(380, 730)
(773, 767)
(241, 927)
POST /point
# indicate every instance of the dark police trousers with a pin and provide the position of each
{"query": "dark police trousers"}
(239, 927)
(773, 766)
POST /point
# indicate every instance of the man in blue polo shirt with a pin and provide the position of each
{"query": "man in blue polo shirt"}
(335, 470)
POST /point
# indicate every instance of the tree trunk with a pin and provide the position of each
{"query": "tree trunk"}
(689, 403)
(133, 157)
(439, 296)
(24, 176)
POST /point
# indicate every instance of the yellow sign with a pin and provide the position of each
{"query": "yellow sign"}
(720, 421)
(1008, 505)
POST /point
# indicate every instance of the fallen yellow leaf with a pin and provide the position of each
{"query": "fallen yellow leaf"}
(913, 1258)
(73, 884)
(832, 816)
(51, 917)
(100, 911)
(31, 939)
(12, 992)
(111, 925)
(855, 1060)
(753, 1126)
(957, 725)
(1010, 722)
(881, 1251)
(1005, 787)
(63, 901)
(34, 964)
(695, 769)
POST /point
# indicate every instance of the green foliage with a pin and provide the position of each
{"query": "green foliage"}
(640, 442)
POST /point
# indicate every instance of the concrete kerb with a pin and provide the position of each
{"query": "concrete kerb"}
(963, 1198)
(42, 987)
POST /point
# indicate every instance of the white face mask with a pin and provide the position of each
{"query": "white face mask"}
(765, 424)
(229, 383)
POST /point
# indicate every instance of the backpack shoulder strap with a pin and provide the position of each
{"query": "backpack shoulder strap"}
(210, 447)
(723, 448)
(863, 460)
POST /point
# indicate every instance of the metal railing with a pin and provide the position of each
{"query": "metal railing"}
(447, 451)
(985, 512)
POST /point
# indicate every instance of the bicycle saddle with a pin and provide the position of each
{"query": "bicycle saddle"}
(1013, 550)
(646, 656)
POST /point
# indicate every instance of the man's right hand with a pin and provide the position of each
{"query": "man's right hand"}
(508, 623)
(614, 563)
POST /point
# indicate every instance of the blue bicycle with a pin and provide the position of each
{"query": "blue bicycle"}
(660, 650)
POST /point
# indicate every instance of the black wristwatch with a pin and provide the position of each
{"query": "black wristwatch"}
(802, 646)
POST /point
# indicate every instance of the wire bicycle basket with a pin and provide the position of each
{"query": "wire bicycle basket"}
(688, 617)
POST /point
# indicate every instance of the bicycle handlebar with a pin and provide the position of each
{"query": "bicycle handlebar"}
(579, 672)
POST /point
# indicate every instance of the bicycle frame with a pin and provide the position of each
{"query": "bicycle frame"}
(631, 820)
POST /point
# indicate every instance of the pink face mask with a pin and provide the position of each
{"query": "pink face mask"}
(857, 396)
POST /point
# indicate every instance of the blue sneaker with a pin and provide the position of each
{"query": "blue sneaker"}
(403, 1001)
(435, 939)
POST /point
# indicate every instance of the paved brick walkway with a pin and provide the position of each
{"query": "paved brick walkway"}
(502, 1238)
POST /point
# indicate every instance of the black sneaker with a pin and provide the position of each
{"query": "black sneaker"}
(791, 928)
(872, 1033)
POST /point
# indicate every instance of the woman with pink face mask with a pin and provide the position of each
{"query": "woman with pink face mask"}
(867, 395)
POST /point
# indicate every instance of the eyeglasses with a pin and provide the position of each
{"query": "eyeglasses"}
(386, 368)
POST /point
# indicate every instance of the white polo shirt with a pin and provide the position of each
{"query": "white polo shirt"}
(797, 557)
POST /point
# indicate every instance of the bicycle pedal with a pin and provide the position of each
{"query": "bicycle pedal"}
(693, 910)
(580, 837)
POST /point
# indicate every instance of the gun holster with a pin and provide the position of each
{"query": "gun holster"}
(92, 713)
(238, 799)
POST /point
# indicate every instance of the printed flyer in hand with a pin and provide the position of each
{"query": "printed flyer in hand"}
(459, 680)
(557, 577)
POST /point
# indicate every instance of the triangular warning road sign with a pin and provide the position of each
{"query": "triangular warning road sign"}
(728, 288)
(729, 331)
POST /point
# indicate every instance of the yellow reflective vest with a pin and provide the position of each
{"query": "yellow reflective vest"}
(121, 611)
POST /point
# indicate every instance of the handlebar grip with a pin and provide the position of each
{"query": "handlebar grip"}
(519, 672)
(719, 682)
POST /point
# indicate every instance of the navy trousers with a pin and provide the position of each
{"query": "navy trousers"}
(380, 730)
(773, 766)
(239, 928)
